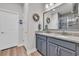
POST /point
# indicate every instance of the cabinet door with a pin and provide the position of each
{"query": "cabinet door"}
(65, 52)
(38, 44)
(77, 49)
(51, 49)
(43, 47)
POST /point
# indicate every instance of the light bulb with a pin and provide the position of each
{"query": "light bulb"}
(46, 6)
(51, 4)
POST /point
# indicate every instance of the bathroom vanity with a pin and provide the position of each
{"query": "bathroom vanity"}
(58, 44)
(51, 44)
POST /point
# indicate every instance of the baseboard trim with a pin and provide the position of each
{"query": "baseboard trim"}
(19, 45)
(25, 48)
(29, 52)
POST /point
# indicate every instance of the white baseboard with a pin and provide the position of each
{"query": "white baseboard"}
(31, 51)
(19, 45)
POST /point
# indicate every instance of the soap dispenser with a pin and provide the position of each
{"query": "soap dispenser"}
(39, 27)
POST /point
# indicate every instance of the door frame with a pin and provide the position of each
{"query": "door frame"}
(11, 12)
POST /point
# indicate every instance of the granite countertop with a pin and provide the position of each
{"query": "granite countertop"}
(62, 37)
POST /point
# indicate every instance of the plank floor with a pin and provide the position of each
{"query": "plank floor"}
(17, 51)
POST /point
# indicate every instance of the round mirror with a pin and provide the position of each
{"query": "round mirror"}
(36, 17)
(48, 20)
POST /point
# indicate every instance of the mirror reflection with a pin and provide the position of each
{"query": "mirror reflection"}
(62, 17)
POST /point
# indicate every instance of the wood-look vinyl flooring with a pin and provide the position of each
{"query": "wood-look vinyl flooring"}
(17, 51)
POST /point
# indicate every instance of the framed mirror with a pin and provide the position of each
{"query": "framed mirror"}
(63, 17)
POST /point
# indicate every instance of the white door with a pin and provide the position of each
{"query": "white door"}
(8, 30)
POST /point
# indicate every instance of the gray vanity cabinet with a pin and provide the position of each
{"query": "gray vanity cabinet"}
(65, 52)
(52, 46)
(77, 49)
(38, 44)
(60, 47)
(51, 49)
(43, 47)
(41, 44)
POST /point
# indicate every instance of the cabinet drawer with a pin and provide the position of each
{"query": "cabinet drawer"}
(41, 36)
(63, 43)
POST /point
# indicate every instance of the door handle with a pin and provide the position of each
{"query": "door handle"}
(2, 32)
(25, 32)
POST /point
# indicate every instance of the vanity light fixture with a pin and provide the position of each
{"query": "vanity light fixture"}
(47, 6)
(51, 4)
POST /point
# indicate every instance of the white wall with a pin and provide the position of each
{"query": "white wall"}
(13, 7)
(32, 26)
(17, 8)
